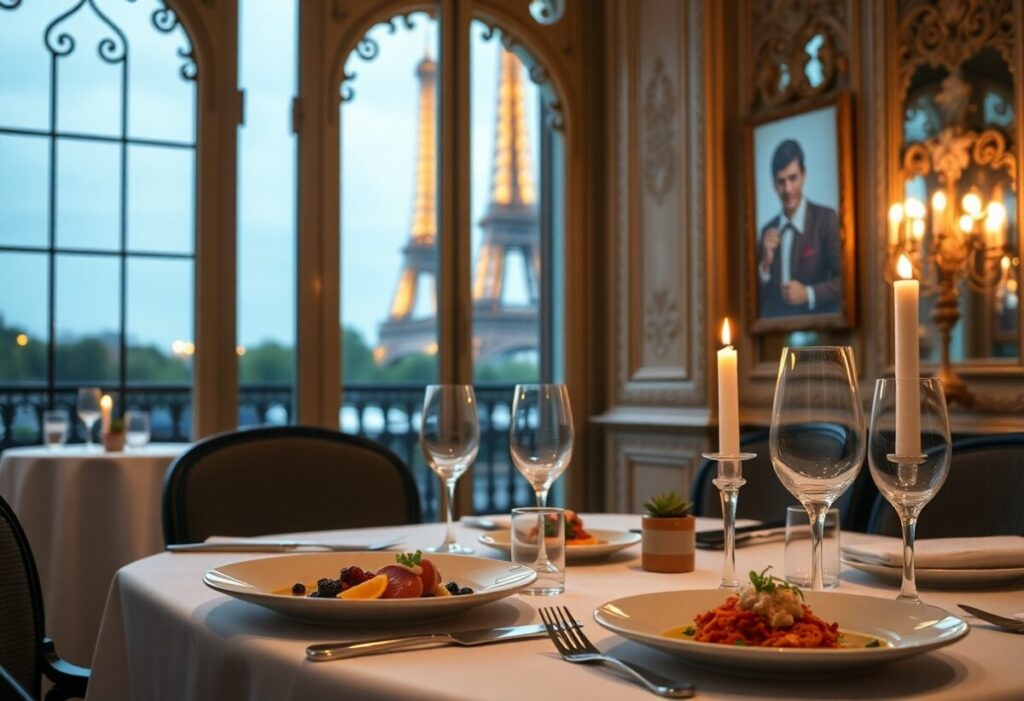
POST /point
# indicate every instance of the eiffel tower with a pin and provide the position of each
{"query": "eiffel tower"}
(510, 228)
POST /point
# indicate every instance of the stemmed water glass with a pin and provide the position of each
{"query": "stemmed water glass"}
(817, 433)
(450, 439)
(88, 407)
(909, 459)
(540, 436)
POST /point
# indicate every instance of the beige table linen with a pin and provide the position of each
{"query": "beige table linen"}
(166, 636)
(86, 515)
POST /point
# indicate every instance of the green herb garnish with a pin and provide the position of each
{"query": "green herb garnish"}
(690, 631)
(741, 643)
(769, 584)
(874, 643)
(409, 559)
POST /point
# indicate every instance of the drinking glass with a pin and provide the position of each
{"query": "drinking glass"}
(136, 428)
(817, 433)
(541, 435)
(55, 428)
(909, 476)
(88, 407)
(450, 439)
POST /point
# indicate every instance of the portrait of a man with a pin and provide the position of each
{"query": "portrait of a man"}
(801, 253)
(799, 262)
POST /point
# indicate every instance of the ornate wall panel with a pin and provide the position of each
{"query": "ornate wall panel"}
(649, 464)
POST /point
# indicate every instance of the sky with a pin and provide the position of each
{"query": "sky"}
(378, 148)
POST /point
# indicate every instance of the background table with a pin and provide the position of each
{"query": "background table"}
(166, 636)
(86, 514)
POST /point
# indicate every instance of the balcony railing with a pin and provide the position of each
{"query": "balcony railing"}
(387, 414)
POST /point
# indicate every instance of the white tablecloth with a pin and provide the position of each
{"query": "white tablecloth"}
(166, 636)
(86, 514)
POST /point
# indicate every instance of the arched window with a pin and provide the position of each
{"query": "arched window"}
(97, 205)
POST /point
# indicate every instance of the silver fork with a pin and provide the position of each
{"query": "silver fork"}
(574, 646)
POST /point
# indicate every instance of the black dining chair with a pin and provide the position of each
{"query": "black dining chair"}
(764, 498)
(11, 690)
(981, 496)
(25, 653)
(285, 479)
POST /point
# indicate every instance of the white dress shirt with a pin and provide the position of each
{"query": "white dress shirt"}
(788, 228)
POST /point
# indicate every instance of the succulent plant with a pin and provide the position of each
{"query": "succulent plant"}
(667, 506)
(116, 425)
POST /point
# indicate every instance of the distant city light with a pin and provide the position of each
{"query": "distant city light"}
(21, 339)
(240, 351)
(431, 348)
(183, 348)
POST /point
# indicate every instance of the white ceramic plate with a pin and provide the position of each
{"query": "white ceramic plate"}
(257, 580)
(609, 542)
(943, 578)
(909, 629)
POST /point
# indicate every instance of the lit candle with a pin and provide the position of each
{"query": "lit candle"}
(106, 406)
(895, 219)
(938, 212)
(728, 397)
(908, 404)
(972, 205)
(994, 222)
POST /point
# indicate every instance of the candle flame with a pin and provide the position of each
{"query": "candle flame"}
(904, 268)
(896, 213)
(726, 335)
(996, 215)
(1004, 263)
(966, 223)
(106, 401)
(939, 201)
(972, 204)
(914, 208)
(918, 229)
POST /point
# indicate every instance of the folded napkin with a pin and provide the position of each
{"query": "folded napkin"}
(944, 553)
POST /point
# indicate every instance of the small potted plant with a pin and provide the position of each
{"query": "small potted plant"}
(113, 438)
(668, 534)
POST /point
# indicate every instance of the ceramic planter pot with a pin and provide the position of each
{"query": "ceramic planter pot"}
(668, 544)
(113, 441)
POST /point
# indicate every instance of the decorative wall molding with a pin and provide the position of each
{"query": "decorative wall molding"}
(779, 56)
(954, 149)
(661, 324)
(659, 134)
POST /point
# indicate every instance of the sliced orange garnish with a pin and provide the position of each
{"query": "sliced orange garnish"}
(370, 589)
(441, 590)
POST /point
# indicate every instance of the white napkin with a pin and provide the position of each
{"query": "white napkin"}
(944, 553)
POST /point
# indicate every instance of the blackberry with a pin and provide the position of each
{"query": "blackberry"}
(464, 590)
(327, 588)
(298, 588)
(354, 575)
(452, 588)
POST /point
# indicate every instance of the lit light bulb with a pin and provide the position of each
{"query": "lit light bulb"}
(914, 208)
(1004, 263)
(966, 223)
(903, 268)
(918, 229)
(939, 201)
(972, 205)
(896, 213)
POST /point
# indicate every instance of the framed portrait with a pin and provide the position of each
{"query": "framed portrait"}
(801, 265)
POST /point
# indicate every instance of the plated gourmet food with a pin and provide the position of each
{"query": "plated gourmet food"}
(575, 534)
(411, 576)
(769, 612)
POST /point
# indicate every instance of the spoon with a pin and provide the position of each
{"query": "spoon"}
(1011, 624)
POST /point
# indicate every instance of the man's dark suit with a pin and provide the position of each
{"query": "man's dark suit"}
(815, 261)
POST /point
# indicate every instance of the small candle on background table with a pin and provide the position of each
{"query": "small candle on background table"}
(106, 407)
(908, 364)
(728, 396)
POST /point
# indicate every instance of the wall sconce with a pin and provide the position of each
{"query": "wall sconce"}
(950, 242)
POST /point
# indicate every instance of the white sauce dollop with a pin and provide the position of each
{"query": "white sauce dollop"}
(782, 608)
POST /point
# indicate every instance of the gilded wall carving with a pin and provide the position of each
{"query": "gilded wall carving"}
(790, 36)
(659, 136)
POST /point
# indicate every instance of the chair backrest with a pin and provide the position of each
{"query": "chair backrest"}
(764, 497)
(10, 690)
(981, 496)
(21, 606)
(285, 479)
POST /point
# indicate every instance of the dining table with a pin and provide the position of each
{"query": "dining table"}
(86, 513)
(165, 635)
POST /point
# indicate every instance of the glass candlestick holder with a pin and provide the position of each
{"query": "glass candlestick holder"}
(729, 481)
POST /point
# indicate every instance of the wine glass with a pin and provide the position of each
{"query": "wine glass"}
(88, 407)
(450, 439)
(909, 452)
(817, 433)
(541, 435)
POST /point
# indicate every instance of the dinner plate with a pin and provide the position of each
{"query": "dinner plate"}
(904, 628)
(609, 542)
(942, 578)
(256, 581)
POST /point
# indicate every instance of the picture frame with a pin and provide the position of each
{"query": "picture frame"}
(799, 229)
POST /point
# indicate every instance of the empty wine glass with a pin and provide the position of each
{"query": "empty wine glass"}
(541, 435)
(88, 408)
(909, 452)
(817, 432)
(450, 439)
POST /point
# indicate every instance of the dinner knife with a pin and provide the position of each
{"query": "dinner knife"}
(763, 533)
(273, 546)
(339, 651)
